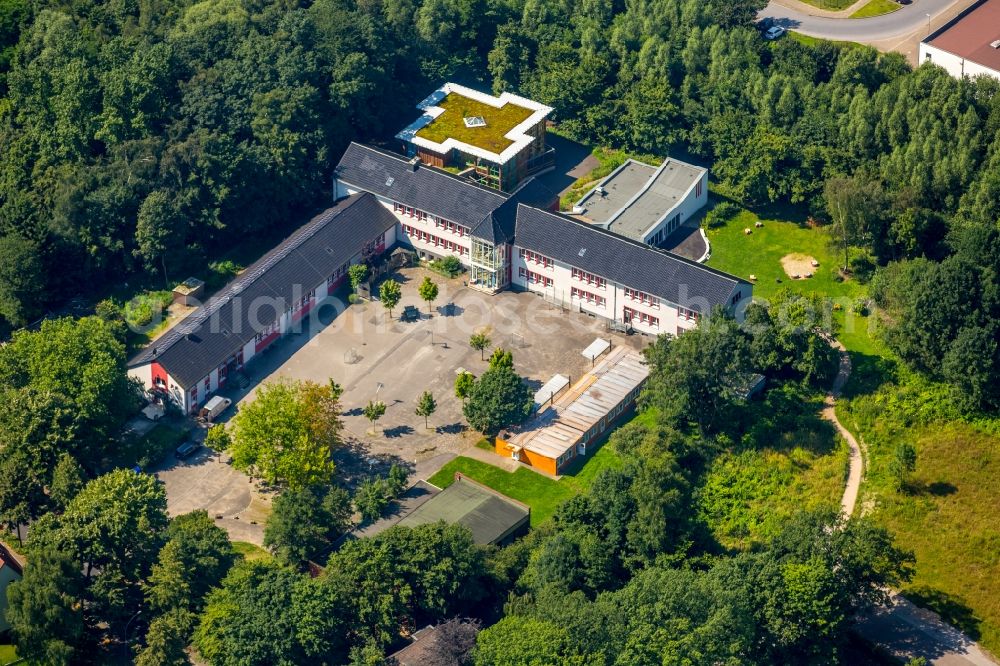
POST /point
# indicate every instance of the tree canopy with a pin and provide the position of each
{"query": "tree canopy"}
(288, 433)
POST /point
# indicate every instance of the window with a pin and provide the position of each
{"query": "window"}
(697, 188)
(587, 296)
(534, 278)
(642, 297)
(687, 315)
(641, 317)
(736, 298)
(397, 208)
(534, 257)
(589, 278)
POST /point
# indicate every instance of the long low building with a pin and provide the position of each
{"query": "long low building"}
(517, 240)
(560, 433)
(202, 352)
(506, 240)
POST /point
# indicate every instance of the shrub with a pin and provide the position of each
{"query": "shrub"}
(141, 310)
(721, 213)
(860, 306)
(450, 266)
(220, 273)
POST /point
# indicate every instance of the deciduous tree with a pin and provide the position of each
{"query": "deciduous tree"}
(389, 292)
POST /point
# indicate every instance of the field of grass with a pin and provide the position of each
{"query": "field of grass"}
(249, 551)
(748, 495)
(760, 254)
(451, 123)
(542, 493)
(8, 654)
(876, 8)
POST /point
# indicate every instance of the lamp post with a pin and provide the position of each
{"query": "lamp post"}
(928, 23)
(127, 625)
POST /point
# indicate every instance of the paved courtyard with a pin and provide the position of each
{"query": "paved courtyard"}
(377, 357)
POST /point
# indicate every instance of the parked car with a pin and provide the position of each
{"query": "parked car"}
(410, 313)
(774, 32)
(187, 449)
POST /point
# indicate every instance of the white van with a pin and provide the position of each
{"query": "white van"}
(215, 406)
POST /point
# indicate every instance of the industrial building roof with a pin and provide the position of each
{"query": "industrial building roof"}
(628, 262)
(636, 196)
(203, 340)
(489, 515)
(974, 34)
(560, 427)
(498, 133)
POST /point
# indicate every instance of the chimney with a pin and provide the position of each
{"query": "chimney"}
(414, 163)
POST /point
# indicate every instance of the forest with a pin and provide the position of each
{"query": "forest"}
(139, 140)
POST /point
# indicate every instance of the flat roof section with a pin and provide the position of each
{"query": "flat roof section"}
(442, 126)
(636, 196)
(489, 515)
(560, 427)
(972, 34)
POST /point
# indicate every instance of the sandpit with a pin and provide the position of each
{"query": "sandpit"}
(799, 266)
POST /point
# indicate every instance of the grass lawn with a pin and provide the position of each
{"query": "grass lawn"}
(947, 516)
(876, 8)
(8, 654)
(250, 552)
(830, 5)
(760, 254)
(813, 41)
(451, 123)
(542, 493)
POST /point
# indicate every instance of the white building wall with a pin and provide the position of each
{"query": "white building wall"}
(429, 226)
(615, 300)
(694, 200)
(953, 64)
(144, 373)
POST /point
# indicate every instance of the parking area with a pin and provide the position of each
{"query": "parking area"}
(376, 357)
(206, 481)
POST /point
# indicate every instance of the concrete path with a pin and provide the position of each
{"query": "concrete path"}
(902, 629)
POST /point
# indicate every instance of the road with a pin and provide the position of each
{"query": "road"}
(902, 629)
(877, 30)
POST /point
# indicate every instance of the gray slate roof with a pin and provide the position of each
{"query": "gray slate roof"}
(489, 214)
(630, 263)
(203, 340)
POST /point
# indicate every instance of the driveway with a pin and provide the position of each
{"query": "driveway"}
(206, 481)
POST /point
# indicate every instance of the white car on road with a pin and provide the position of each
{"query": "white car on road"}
(774, 32)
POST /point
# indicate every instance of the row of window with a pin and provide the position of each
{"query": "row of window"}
(587, 296)
(642, 297)
(534, 278)
(409, 211)
(635, 315)
(302, 302)
(687, 315)
(534, 257)
(453, 227)
(565, 457)
(439, 222)
(589, 278)
(436, 241)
